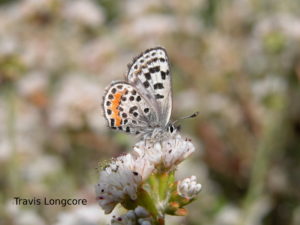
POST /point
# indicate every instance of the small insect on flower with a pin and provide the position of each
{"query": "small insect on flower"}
(142, 104)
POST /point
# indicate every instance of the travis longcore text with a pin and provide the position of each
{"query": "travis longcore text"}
(51, 201)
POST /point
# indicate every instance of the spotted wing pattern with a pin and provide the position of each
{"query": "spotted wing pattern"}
(126, 110)
(150, 74)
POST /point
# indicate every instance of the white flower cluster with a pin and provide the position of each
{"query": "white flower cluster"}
(167, 153)
(73, 99)
(188, 187)
(120, 180)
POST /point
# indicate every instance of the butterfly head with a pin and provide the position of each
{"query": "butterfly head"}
(172, 128)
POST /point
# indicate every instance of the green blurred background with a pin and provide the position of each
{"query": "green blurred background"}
(237, 62)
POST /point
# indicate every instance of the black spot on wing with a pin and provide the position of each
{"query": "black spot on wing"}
(112, 122)
(132, 109)
(158, 96)
(163, 75)
(154, 69)
(158, 86)
(146, 84)
(148, 76)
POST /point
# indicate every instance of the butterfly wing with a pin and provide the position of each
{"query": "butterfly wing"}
(126, 109)
(150, 74)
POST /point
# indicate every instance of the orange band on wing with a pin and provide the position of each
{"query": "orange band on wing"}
(114, 107)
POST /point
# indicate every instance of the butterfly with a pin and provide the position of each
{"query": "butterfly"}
(142, 104)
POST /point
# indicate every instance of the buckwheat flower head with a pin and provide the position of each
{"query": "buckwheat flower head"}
(75, 98)
(120, 180)
(188, 187)
(152, 25)
(137, 216)
(126, 219)
(30, 7)
(138, 164)
(167, 153)
(88, 214)
(32, 84)
(84, 12)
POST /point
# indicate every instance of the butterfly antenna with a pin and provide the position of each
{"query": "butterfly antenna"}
(187, 117)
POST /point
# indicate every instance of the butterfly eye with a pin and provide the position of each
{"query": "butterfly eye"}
(171, 128)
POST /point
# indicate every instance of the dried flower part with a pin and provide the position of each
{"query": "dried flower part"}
(188, 187)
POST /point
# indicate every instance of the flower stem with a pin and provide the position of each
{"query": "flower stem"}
(262, 161)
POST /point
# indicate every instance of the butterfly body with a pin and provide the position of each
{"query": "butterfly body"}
(142, 104)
